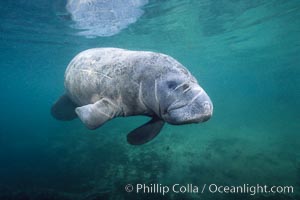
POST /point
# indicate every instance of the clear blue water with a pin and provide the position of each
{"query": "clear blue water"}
(245, 54)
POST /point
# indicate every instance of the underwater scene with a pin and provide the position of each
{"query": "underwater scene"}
(245, 54)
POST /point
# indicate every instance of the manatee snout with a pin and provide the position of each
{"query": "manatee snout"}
(206, 109)
(197, 109)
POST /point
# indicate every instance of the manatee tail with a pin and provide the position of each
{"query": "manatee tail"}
(146, 132)
(64, 109)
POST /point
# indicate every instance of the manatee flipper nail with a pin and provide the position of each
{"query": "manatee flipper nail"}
(64, 109)
(94, 115)
(146, 132)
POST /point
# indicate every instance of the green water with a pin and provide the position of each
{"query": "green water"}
(245, 54)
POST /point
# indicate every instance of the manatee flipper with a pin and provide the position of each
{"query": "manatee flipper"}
(94, 115)
(64, 109)
(146, 132)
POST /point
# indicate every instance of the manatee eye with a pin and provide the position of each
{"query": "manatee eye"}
(171, 84)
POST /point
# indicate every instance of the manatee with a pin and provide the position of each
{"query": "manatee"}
(105, 83)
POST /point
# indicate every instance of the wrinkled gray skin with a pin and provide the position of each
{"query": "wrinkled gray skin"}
(111, 82)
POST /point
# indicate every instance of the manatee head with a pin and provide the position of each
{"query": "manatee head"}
(182, 100)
